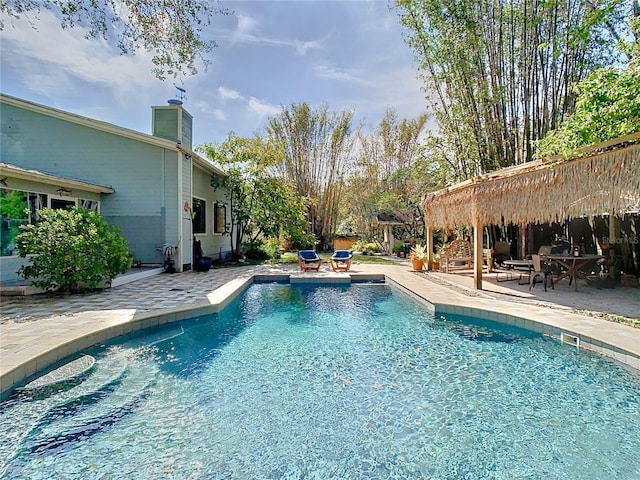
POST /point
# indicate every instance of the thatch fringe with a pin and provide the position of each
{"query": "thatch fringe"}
(607, 182)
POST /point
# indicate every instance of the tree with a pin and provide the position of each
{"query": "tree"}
(72, 250)
(390, 174)
(171, 29)
(500, 72)
(317, 147)
(261, 204)
(607, 106)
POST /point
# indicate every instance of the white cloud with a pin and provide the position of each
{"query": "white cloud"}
(247, 32)
(343, 54)
(302, 47)
(246, 26)
(332, 73)
(229, 94)
(205, 108)
(399, 89)
(262, 108)
(47, 65)
(219, 115)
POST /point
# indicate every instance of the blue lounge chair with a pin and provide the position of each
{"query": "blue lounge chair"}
(309, 260)
(341, 260)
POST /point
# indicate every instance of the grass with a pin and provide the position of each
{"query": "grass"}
(292, 257)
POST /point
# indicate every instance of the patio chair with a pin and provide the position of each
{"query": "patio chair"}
(341, 260)
(540, 269)
(501, 252)
(309, 260)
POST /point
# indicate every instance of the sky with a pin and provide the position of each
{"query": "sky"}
(347, 54)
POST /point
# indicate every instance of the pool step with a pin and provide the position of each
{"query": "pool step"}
(21, 414)
(82, 417)
(70, 404)
(61, 378)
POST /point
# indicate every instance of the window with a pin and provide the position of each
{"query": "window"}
(14, 210)
(17, 208)
(220, 218)
(90, 205)
(61, 203)
(199, 212)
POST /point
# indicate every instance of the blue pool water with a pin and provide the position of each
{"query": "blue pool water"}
(331, 383)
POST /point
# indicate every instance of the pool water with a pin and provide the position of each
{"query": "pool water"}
(331, 383)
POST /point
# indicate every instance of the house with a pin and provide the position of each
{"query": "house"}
(154, 188)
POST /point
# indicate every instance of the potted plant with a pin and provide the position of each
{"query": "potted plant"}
(418, 256)
(399, 249)
(435, 263)
(200, 262)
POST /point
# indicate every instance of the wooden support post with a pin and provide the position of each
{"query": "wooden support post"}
(477, 255)
(429, 235)
(614, 229)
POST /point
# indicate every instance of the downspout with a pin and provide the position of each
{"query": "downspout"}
(179, 211)
(163, 207)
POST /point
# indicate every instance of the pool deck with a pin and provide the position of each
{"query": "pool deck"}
(38, 331)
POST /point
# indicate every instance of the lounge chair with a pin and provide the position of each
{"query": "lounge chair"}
(309, 260)
(341, 260)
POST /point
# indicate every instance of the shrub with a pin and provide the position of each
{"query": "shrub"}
(373, 247)
(273, 247)
(303, 242)
(73, 250)
(359, 246)
(366, 248)
(256, 252)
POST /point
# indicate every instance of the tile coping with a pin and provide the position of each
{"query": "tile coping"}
(35, 349)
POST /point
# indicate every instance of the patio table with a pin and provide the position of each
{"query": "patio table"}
(573, 265)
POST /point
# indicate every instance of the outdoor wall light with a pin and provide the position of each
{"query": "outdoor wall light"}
(64, 192)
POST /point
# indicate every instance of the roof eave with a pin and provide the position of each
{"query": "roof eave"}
(42, 177)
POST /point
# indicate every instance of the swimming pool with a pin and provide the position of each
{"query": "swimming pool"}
(331, 382)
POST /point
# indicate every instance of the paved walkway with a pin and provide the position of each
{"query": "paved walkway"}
(37, 331)
(154, 293)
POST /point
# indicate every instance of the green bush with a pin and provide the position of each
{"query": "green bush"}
(303, 242)
(73, 250)
(373, 247)
(359, 246)
(273, 247)
(366, 247)
(256, 252)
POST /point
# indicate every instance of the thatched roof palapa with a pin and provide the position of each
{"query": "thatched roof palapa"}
(553, 190)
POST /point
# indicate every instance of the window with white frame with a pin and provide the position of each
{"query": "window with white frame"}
(90, 205)
(19, 207)
(220, 218)
(199, 215)
(60, 203)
